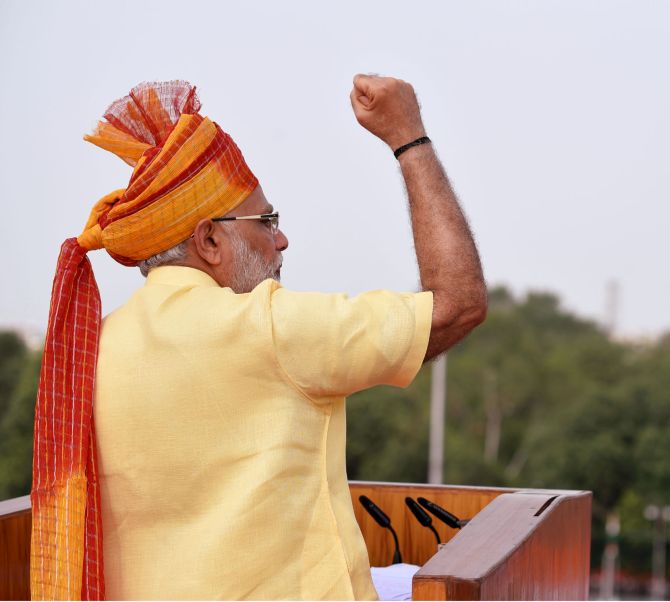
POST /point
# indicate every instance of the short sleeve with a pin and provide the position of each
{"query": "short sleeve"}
(333, 345)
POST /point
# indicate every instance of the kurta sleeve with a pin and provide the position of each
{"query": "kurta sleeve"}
(333, 345)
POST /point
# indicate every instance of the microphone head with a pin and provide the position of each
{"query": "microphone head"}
(420, 514)
(375, 511)
(441, 513)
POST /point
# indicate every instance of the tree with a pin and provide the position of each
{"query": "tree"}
(16, 430)
(12, 356)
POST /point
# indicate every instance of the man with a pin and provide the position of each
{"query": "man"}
(194, 447)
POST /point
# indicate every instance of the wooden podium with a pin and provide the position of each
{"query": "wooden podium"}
(520, 544)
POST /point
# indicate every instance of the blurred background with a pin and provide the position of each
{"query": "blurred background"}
(552, 122)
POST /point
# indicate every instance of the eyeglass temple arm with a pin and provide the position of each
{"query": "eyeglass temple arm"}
(266, 215)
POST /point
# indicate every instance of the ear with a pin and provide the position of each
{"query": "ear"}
(210, 242)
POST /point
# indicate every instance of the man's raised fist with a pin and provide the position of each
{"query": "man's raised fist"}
(388, 108)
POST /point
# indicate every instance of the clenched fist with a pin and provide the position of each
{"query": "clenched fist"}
(388, 108)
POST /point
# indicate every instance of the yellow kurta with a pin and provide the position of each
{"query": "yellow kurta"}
(220, 423)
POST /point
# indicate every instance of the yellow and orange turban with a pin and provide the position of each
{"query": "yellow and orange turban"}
(186, 168)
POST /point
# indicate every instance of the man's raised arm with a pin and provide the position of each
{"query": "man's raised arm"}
(448, 261)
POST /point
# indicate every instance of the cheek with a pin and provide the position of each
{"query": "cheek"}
(268, 244)
(264, 243)
(271, 249)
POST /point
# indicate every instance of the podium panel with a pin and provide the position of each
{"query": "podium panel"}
(15, 524)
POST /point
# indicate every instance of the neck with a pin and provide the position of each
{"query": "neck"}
(199, 264)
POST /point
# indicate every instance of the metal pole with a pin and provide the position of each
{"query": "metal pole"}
(438, 398)
(656, 515)
(610, 555)
(659, 557)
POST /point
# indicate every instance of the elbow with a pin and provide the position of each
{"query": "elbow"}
(473, 311)
(480, 307)
(453, 322)
(472, 308)
(473, 315)
(463, 316)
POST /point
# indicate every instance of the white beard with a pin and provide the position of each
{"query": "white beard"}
(250, 267)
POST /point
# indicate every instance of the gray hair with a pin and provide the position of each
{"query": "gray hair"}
(173, 256)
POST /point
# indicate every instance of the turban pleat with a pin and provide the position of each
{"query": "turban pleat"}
(186, 168)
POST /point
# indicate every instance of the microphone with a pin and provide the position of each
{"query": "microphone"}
(446, 517)
(383, 521)
(421, 515)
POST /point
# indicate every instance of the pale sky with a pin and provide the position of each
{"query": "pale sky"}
(551, 118)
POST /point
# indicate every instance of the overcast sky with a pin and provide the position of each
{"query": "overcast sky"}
(551, 118)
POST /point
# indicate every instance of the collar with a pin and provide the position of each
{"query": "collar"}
(176, 275)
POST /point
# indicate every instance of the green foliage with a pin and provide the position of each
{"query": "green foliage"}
(401, 413)
(16, 423)
(636, 536)
(12, 356)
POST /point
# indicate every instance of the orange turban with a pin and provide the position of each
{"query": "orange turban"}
(186, 168)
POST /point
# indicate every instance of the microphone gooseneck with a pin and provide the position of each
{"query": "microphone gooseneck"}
(422, 516)
(444, 515)
(383, 521)
(397, 558)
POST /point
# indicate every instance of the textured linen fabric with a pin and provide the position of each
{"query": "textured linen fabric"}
(220, 422)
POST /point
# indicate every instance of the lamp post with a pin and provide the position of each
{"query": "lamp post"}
(438, 397)
(610, 556)
(659, 516)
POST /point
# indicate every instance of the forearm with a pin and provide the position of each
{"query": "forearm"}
(448, 261)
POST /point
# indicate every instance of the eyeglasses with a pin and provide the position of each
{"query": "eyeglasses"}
(272, 219)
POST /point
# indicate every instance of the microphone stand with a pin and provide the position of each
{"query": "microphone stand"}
(421, 516)
(383, 521)
(397, 558)
(437, 535)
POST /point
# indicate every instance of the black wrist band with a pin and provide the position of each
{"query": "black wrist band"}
(399, 151)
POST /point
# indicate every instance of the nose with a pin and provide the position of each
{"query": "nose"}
(281, 242)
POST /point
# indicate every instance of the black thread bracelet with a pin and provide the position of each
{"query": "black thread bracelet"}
(399, 151)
